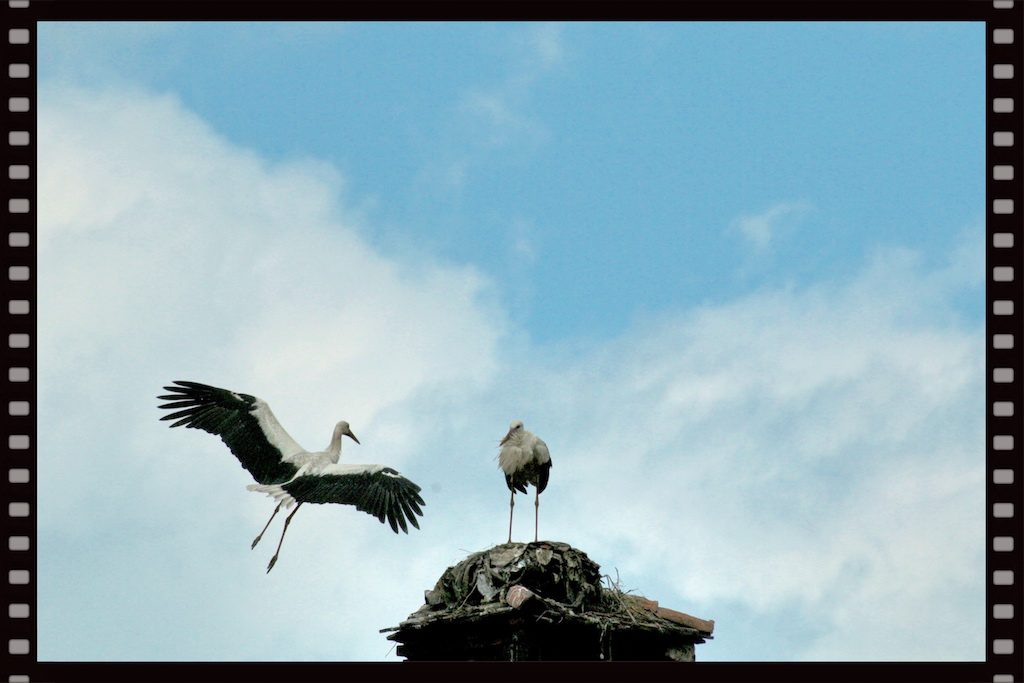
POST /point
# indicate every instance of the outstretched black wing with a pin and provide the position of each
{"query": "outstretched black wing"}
(243, 422)
(384, 493)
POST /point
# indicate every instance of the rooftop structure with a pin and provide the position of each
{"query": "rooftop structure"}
(541, 601)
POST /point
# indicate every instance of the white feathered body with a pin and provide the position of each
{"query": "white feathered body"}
(281, 467)
(525, 459)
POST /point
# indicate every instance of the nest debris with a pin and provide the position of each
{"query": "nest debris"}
(550, 581)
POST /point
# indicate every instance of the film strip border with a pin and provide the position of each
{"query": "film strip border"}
(20, 325)
(1005, 269)
(1005, 335)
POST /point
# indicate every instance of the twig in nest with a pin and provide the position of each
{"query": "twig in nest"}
(468, 593)
(543, 616)
(618, 594)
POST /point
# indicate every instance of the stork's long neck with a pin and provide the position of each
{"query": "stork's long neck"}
(334, 450)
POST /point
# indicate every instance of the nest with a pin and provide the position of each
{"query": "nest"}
(555, 571)
(550, 581)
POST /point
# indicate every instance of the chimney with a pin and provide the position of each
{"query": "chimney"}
(541, 601)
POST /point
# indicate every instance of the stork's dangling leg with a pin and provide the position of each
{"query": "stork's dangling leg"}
(257, 540)
(273, 560)
(536, 511)
(511, 504)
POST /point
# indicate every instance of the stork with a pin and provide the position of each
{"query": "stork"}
(285, 470)
(524, 458)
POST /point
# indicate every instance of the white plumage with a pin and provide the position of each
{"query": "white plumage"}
(524, 458)
(285, 470)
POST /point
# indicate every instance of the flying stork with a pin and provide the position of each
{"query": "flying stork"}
(285, 470)
(524, 458)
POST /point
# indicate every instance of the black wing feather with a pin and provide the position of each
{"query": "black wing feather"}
(414, 504)
(542, 476)
(229, 416)
(374, 503)
(407, 509)
(389, 511)
(515, 483)
(384, 494)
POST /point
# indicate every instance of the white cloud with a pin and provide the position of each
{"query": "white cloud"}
(812, 453)
(169, 254)
(808, 453)
(764, 228)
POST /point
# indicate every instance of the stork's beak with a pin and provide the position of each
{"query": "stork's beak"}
(352, 436)
(506, 438)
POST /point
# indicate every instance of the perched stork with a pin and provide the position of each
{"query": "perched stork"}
(284, 469)
(524, 458)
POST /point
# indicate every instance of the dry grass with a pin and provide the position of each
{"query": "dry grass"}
(622, 602)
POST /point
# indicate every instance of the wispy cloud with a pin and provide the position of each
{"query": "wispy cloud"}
(762, 229)
(502, 107)
(497, 114)
(809, 455)
(523, 246)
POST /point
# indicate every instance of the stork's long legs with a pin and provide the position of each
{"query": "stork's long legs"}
(257, 540)
(536, 512)
(511, 504)
(288, 519)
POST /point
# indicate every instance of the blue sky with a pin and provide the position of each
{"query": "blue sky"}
(748, 255)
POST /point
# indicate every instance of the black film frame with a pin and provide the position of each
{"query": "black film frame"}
(1004, 20)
